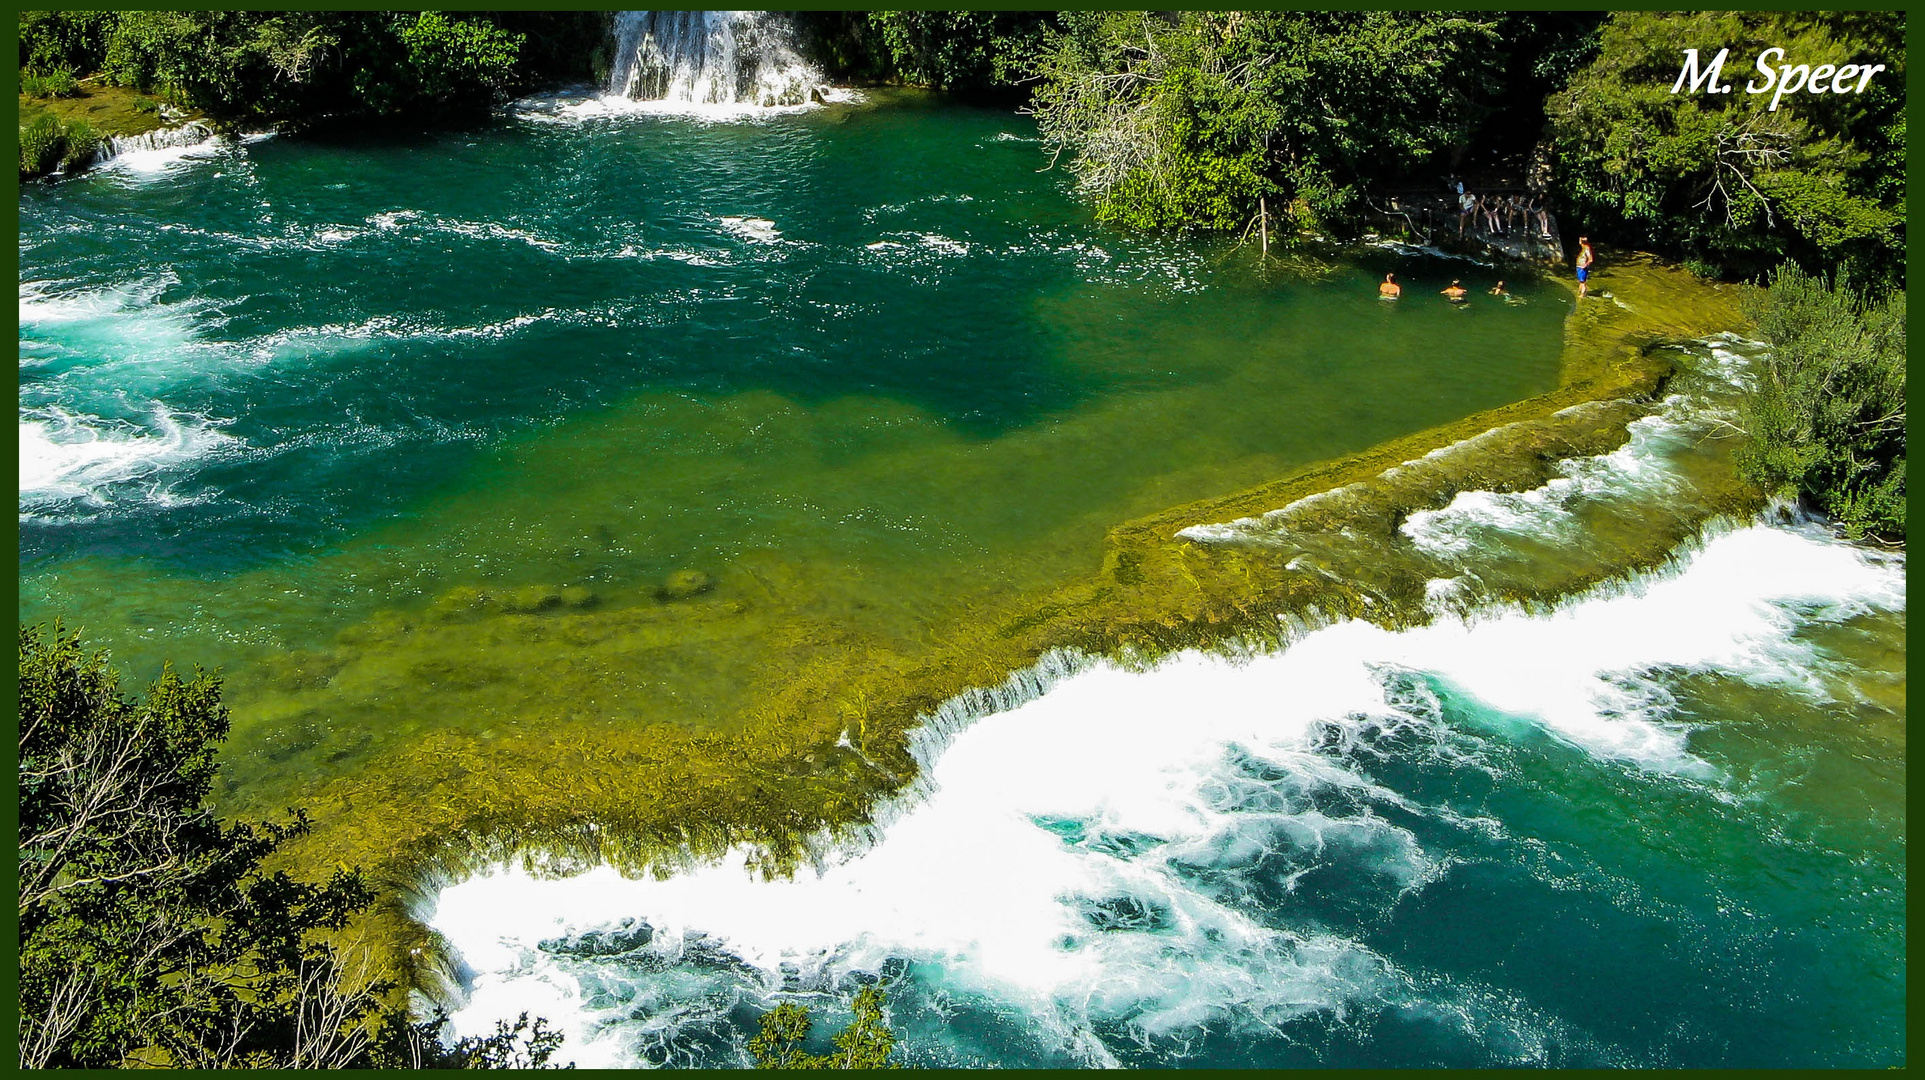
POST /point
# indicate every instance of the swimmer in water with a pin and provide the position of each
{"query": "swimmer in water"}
(1389, 289)
(1456, 293)
(1498, 290)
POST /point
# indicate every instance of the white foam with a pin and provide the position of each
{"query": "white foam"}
(67, 458)
(143, 165)
(395, 220)
(1638, 470)
(753, 229)
(126, 329)
(577, 109)
(942, 245)
(977, 884)
(1643, 471)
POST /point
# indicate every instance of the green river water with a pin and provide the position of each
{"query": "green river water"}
(498, 470)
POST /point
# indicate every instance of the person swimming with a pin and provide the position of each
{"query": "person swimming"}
(1389, 289)
(1456, 292)
(1498, 290)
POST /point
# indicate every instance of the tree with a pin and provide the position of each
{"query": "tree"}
(965, 51)
(1826, 419)
(1179, 120)
(73, 40)
(864, 1044)
(150, 934)
(308, 66)
(1723, 178)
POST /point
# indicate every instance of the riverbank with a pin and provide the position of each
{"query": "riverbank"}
(98, 115)
(819, 756)
(113, 111)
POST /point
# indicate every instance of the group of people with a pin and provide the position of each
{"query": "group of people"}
(1455, 292)
(1500, 214)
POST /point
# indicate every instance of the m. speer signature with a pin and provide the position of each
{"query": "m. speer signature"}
(1786, 78)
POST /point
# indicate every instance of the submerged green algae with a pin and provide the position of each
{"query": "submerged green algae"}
(561, 722)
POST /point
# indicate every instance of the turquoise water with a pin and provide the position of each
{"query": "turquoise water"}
(1370, 850)
(254, 358)
(1660, 824)
(866, 369)
(407, 436)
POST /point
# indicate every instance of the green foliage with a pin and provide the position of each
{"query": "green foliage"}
(400, 1044)
(58, 83)
(1721, 177)
(965, 51)
(134, 51)
(48, 143)
(308, 66)
(1826, 420)
(74, 40)
(1187, 119)
(83, 142)
(449, 58)
(150, 934)
(864, 1044)
(42, 143)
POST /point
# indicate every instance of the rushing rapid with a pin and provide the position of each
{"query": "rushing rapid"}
(1450, 845)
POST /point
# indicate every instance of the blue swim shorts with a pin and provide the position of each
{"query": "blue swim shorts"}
(1583, 272)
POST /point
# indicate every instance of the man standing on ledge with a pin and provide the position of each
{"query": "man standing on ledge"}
(1585, 257)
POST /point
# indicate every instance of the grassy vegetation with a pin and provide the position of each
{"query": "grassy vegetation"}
(1826, 420)
(110, 110)
(64, 129)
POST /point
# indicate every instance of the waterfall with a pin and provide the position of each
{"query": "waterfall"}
(192, 133)
(711, 58)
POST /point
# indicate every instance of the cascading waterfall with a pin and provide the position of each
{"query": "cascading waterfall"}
(711, 58)
(1105, 865)
(192, 133)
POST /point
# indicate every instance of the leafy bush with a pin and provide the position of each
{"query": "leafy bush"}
(1722, 178)
(74, 40)
(455, 62)
(1826, 420)
(58, 83)
(42, 144)
(966, 51)
(82, 144)
(1187, 119)
(47, 144)
(864, 1044)
(309, 66)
